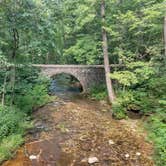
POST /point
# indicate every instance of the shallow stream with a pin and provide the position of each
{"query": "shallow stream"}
(71, 131)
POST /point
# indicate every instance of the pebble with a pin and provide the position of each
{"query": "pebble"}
(93, 160)
(127, 155)
(104, 110)
(32, 157)
(84, 160)
(138, 154)
(111, 142)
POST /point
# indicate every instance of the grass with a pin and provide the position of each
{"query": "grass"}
(156, 127)
(8, 145)
(13, 124)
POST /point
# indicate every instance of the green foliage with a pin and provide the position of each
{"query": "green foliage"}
(150, 99)
(12, 127)
(62, 31)
(147, 98)
(98, 92)
(65, 31)
(137, 73)
(140, 89)
(122, 104)
(119, 112)
(35, 97)
(84, 51)
(126, 78)
(8, 145)
(30, 93)
(157, 132)
(10, 122)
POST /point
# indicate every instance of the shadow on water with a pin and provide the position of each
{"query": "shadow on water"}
(65, 86)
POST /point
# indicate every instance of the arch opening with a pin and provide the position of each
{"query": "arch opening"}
(65, 84)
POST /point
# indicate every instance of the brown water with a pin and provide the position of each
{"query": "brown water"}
(67, 133)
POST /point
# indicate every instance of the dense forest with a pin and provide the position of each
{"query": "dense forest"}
(70, 32)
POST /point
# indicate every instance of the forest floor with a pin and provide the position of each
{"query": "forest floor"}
(79, 132)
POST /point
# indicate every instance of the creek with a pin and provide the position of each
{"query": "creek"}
(65, 86)
(74, 130)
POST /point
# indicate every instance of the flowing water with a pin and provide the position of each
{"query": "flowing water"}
(72, 129)
(65, 86)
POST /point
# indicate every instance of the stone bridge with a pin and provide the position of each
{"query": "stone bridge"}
(88, 75)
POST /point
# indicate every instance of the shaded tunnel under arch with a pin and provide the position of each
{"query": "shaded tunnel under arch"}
(65, 83)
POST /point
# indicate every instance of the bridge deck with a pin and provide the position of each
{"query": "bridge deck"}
(73, 66)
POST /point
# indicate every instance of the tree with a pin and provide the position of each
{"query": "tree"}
(111, 94)
(165, 34)
(4, 69)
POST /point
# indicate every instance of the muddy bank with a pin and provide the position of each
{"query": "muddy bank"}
(70, 133)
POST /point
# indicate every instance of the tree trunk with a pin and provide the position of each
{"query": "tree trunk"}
(13, 69)
(111, 94)
(4, 89)
(13, 81)
(165, 34)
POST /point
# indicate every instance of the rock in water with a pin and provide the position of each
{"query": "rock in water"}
(93, 160)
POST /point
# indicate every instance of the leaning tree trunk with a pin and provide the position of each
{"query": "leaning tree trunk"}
(165, 34)
(111, 94)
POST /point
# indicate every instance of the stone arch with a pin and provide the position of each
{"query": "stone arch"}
(88, 75)
(81, 81)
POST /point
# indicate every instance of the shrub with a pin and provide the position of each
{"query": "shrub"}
(35, 97)
(8, 145)
(10, 122)
(122, 104)
(137, 100)
(119, 112)
(12, 126)
(157, 132)
(98, 92)
(30, 93)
